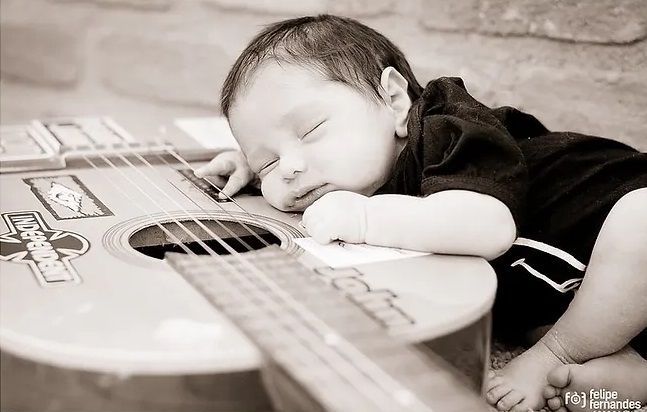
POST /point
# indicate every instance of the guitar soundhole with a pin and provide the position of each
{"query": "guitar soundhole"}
(154, 242)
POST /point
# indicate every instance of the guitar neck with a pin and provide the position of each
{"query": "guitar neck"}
(331, 348)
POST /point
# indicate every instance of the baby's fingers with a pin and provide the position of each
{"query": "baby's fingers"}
(321, 233)
(216, 167)
(238, 180)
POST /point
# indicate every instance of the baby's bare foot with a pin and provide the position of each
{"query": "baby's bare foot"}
(518, 387)
(624, 372)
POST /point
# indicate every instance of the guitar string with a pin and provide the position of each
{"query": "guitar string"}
(177, 241)
(204, 246)
(139, 206)
(121, 133)
(229, 198)
(233, 235)
(198, 221)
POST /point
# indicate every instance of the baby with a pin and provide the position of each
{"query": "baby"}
(332, 122)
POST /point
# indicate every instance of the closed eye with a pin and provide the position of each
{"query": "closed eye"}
(267, 165)
(314, 128)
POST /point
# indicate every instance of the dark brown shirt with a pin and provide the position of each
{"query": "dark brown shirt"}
(559, 186)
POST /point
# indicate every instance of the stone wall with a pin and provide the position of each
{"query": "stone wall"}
(576, 64)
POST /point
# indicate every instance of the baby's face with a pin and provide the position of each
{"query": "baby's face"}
(306, 136)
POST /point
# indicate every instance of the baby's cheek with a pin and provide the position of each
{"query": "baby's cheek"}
(273, 192)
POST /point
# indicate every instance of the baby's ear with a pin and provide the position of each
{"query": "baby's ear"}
(395, 95)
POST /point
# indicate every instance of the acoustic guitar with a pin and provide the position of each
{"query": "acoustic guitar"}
(126, 284)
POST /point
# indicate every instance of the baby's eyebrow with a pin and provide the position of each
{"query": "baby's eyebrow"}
(255, 153)
(301, 112)
(258, 155)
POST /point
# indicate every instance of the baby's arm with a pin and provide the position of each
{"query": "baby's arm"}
(453, 221)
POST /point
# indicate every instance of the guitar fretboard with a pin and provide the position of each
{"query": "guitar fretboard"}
(327, 344)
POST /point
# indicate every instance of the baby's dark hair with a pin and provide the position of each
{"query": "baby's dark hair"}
(339, 48)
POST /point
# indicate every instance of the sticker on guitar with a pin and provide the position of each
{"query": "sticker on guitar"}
(340, 254)
(47, 251)
(66, 197)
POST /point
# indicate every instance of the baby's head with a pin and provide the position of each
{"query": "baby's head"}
(319, 104)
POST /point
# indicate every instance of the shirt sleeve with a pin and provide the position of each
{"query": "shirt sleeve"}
(464, 146)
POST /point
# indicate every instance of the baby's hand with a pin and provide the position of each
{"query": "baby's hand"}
(337, 215)
(231, 169)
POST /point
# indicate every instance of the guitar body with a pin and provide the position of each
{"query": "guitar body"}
(92, 319)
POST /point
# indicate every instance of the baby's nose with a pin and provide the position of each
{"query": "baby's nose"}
(290, 166)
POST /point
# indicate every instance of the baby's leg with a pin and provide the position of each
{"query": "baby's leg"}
(609, 308)
(607, 312)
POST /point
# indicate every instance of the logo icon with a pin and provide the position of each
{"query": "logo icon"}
(575, 398)
(66, 197)
(47, 251)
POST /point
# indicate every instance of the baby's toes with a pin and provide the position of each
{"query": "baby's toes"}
(492, 381)
(510, 400)
(554, 403)
(496, 393)
(553, 398)
(560, 377)
(550, 392)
